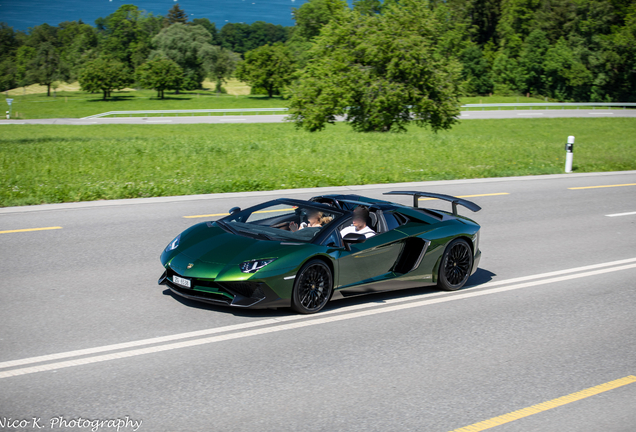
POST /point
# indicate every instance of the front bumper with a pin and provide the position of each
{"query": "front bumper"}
(228, 293)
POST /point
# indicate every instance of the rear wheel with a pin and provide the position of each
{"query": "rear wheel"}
(312, 288)
(457, 262)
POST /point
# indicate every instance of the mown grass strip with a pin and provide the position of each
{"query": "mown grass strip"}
(55, 163)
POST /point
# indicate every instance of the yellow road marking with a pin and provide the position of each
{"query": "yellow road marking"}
(554, 403)
(604, 186)
(227, 214)
(469, 196)
(29, 229)
(207, 215)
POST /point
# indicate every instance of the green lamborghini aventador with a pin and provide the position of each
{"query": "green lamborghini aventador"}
(289, 252)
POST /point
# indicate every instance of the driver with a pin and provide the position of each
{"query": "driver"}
(360, 216)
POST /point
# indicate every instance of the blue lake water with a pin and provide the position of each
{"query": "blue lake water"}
(22, 14)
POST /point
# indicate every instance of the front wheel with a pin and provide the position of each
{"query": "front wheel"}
(312, 288)
(456, 264)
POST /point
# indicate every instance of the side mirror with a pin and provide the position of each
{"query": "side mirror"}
(353, 238)
(234, 210)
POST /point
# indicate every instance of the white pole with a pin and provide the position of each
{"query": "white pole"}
(569, 155)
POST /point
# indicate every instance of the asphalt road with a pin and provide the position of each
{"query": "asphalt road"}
(276, 118)
(548, 320)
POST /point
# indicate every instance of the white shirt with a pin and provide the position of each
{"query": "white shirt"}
(368, 232)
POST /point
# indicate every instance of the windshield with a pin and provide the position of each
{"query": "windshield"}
(281, 221)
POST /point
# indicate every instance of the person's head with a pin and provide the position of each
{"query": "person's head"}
(314, 217)
(360, 216)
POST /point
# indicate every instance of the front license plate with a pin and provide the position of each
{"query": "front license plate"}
(181, 281)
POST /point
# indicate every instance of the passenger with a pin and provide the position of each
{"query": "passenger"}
(360, 216)
(315, 218)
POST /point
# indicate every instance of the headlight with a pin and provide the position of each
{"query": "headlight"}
(173, 244)
(255, 265)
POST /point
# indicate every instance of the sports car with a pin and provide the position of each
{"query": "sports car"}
(291, 253)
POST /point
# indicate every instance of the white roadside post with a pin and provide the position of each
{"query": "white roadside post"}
(569, 155)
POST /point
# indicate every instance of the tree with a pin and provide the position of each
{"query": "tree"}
(78, 44)
(381, 73)
(269, 67)
(484, 15)
(8, 48)
(234, 37)
(262, 33)
(210, 27)
(45, 66)
(176, 15)
(159, 74)
(8, 42)
(516, 21)
(367, 7)
(506, 75)
(7, 74)
(23, 59)
(614, 63)
(531, 61)
(185, 45)
(312, 16)
(475, 71)
(126, 34)
(243, 37)
(565, 77)
(105, 75)
(220, 64)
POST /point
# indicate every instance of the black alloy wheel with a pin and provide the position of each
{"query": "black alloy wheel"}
(457, 262)
(312, 288)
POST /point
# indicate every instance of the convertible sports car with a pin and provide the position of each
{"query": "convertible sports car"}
(289, 252)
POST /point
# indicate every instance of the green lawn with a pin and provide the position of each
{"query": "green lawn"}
(50, 163)
(82, 104)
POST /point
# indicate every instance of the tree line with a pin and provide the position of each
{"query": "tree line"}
(127, 47)
(366, 62)
(383, 64)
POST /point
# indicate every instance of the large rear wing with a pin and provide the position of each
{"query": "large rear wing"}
(417, 195)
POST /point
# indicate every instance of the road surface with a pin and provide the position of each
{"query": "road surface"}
(545, 330)
(277, 118)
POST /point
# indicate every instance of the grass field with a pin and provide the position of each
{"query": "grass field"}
(51, 164)
(68, 102)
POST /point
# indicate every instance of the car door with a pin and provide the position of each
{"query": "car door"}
(368, 263)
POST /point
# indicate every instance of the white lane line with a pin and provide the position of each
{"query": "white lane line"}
(233, 119)
(601, 113)
(278, 320)
(621, 214)
(530, 114)
(304, 323)
(158, 121)
(554, 273)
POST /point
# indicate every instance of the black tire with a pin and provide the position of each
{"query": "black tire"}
(312, 288)
(456, 265)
